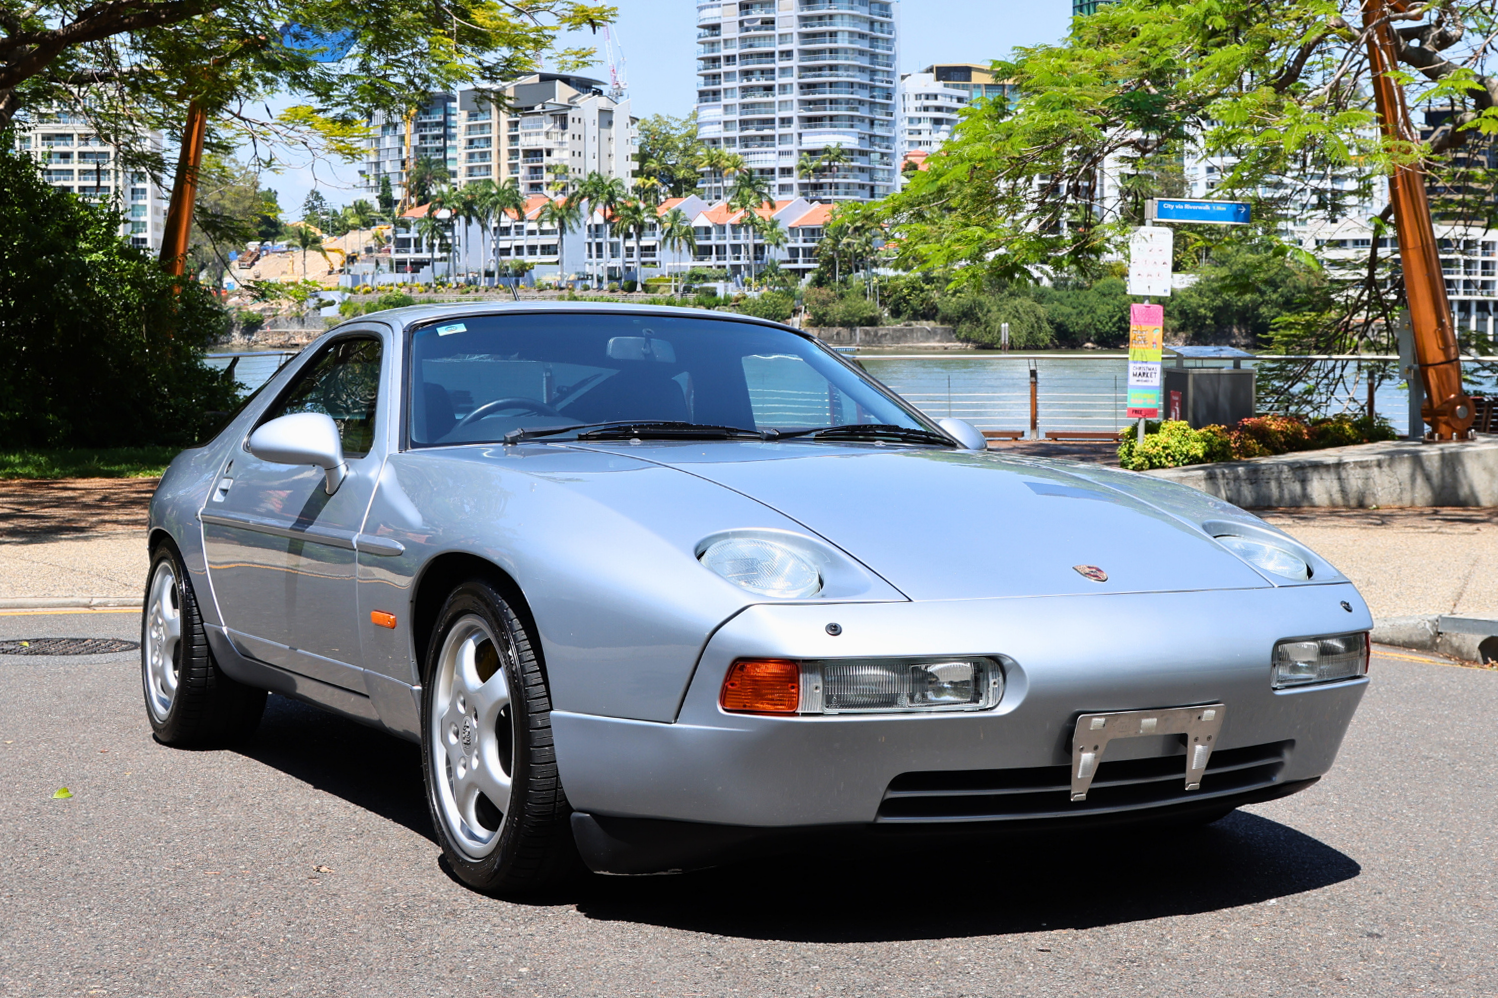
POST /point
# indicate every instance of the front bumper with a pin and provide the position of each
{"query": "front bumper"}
(1073, 655)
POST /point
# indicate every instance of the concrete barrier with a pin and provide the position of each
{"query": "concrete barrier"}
(887, 336)
(1396, 473)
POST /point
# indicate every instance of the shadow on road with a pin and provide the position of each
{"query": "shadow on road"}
(1027, 886)
(364, 766)
(1005, 885)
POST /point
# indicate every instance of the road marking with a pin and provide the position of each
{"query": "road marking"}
(1422, 659)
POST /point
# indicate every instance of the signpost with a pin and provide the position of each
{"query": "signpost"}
(1197, 210)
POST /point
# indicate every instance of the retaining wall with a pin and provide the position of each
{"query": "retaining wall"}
(1396, 473)
(887, 336)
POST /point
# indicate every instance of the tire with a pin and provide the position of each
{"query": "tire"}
(497, 802)
(189, 700)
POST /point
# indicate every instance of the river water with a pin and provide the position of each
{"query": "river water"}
(991, 391)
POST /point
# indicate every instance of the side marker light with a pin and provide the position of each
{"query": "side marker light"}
(382, 619)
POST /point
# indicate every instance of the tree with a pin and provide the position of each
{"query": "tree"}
(129, 66)
(750, 193)
(633, 218)
(564, 215)
(772, 234)
(304, 237)
(425, 179)
(111, 355)
(361, 214)
(315, 209)
(432, 232)
(603, 194)
(669, 153)
(1278, 90)
(229, 214)
(268, 225)
(386, 197)
(677, 234)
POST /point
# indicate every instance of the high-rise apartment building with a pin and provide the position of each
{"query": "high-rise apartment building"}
(557, 127)
(930, 100)
(777, 79)
(1083, 7)
(73, 158)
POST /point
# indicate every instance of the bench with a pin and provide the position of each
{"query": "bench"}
(1080, 435)
(1004, 434)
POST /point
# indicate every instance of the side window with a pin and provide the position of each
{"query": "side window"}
(344, 383)
(785, 392)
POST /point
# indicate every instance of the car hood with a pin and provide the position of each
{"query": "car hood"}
(964, 525)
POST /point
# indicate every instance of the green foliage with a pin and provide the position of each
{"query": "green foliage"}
(268, 225)
(114, 462)
(668, 154)
(315, 210)
(826, 307)
(704, 275)
(777, 305)
(1174, 443)
(911, 297)
(101, 348)
(1242, 290)
(629, 286)
(978, 317)
(1096, 313)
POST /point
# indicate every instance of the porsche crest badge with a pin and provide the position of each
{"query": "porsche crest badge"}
(1091, 572)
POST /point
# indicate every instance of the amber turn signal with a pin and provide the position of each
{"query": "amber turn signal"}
(382, 619)
(762, 686)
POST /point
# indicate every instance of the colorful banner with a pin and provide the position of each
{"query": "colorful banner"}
(1146, 341)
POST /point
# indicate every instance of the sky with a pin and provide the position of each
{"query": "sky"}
(658, 39)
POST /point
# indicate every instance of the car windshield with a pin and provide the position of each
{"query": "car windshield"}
(475, 379)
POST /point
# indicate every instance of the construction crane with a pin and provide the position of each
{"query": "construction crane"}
(1447, 409)
(618, 69)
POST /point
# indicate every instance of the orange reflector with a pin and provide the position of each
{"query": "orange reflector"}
(381, 619)
(762, 686)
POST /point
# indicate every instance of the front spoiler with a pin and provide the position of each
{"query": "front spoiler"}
(637, 846)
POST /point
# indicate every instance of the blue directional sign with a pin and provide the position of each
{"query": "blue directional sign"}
(1192, 210)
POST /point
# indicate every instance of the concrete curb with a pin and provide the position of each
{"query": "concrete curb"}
(72, 603)
(1395, 473)
(1470, 639)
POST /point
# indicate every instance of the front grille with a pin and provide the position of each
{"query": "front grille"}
(1045, 791)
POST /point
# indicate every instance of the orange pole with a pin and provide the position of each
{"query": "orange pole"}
(1447, 408)
(184, 192)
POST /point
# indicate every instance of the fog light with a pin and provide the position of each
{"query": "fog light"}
(1320, 660)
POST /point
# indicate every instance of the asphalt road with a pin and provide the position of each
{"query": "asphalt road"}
(303, 864)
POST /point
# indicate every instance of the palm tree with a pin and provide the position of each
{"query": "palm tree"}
(634, 218)
(304, 237)
(833, 157)
(750, 193)
(603, 194)
(484, 212)
(563, 214)
(772, 234)
(677, 234)
(431, 230)
(424, 177)
(469, 210)
(808, 167)
(711, 160)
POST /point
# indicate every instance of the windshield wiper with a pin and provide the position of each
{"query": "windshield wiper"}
(654, 429)
(869, 431)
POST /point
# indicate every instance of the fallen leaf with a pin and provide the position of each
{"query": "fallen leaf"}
(63, 793)
(104, 750)
(322, 869)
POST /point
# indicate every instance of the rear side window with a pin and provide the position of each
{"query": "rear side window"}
(344, 383)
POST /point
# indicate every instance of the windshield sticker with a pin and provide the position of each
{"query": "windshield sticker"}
(456, 327)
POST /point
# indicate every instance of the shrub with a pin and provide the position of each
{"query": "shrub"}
(1166, 445)
(393, 299)
(777, 305)
(101, 348)
(707, 298)
(613, 286)
(1174, 443)
(826, 307)
(629, 286)
(979, 317)
(911, 297)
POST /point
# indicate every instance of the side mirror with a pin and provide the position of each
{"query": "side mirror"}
(965, 433)
(303, 438)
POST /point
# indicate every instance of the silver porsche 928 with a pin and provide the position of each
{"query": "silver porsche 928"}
(653, 587)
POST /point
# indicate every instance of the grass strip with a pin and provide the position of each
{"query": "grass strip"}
(111, 462)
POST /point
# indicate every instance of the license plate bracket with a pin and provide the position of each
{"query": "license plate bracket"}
(1201, 726)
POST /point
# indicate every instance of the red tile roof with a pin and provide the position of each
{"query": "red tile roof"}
(818, 215)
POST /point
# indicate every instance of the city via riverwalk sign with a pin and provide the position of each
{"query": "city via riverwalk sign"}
(1197, 210)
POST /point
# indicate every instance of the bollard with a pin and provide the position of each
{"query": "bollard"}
(1034, 403)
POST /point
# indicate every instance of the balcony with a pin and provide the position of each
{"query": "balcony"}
(817, 137)
(852, 6)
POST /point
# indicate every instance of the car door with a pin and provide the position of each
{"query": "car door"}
(281, 551)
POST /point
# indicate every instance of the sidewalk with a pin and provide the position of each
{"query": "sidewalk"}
(86, 538)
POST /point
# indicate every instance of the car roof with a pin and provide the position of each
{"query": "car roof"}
(413, 315)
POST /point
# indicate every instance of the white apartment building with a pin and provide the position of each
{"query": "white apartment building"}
(779, 78)
(73, 158)
(930, 102)
(557, 129)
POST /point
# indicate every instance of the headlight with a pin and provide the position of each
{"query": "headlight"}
(1320, 660)
(862, 685)
(1272, 559)
(763, 566)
